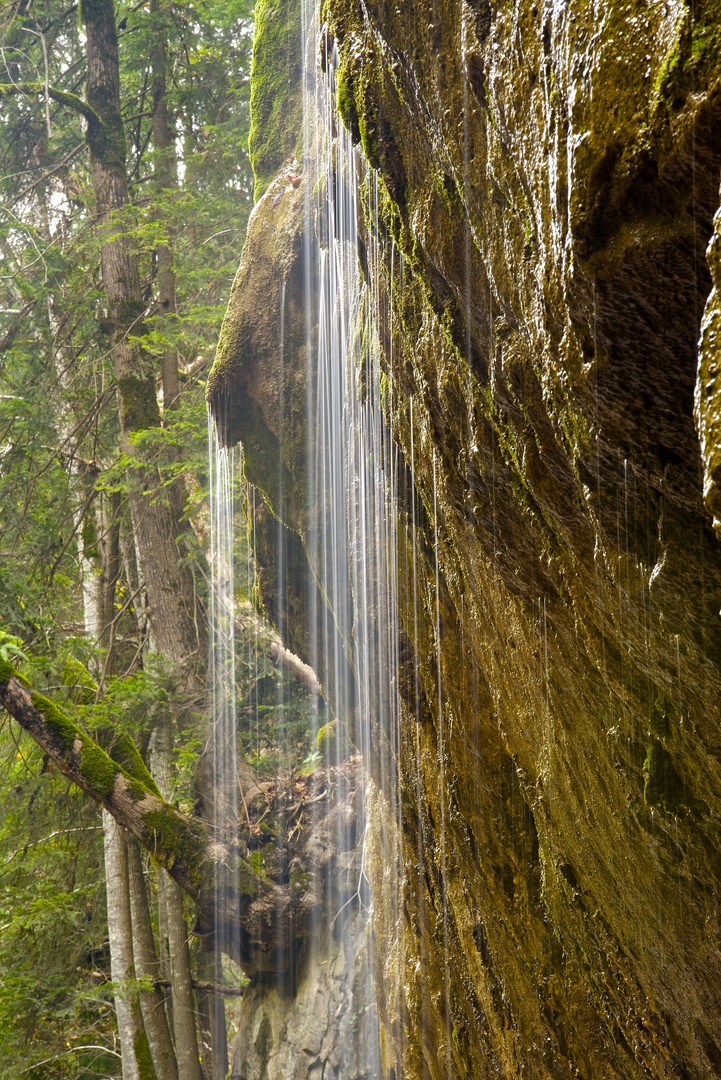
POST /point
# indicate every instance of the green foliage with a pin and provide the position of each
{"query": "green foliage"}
(55, 996)
(10, 649)
(66, 469)
(62, 466)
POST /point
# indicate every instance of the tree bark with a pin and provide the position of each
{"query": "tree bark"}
(108, 527)
(120, 937)
(174, 925)
(211, 1007)
(146, 966)
(166, 177)
(259, 921)
(178, 635)
(128, 793)
(186, 1039)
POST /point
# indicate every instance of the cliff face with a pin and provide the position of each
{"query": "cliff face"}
(548, 178)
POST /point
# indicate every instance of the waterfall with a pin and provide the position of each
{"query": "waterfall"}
(354, 467)
(353, 546)
(223, 476)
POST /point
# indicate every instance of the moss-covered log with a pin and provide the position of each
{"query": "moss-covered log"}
(261, 904)
(275, 101)
(127, 791)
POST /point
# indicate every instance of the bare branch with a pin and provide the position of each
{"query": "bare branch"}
(49, 172)
(63, 97)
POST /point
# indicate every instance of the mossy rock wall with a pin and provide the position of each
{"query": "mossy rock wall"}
(275, 102)
(549, 177)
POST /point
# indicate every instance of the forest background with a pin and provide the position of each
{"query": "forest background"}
(126, 187)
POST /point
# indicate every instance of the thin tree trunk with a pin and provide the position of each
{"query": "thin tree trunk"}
(186, 1040)
(146, 966)
(108, 517)
(211, 1008)
(171, 900)
(164, 947)
(166, 178)
(120, 935)
(137, 588)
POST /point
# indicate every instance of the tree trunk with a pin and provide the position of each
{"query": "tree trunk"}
(108, 527)
(146, 966)
(186, 1040)
(156, 525)
(173, 921)
(166, 177)
(211, 1008)
(120, 936)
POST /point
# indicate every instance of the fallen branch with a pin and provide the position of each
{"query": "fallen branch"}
(247, 620)
(211, 988)
(126, 790)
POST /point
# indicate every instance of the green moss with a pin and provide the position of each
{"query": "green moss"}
(346, 103)
(107, 141)
(59, 724)
(95, 765)
(659, 721)
(90, 538)
(138, 403)
(6, 672)
(693, 57)
(663, 787)
(276, 105)
(299, 879)
(256, 861)
(368, 130)
(262, 461)
(98, 767)
(176, 839)
(94, 11)
(76, 676)
(141, 1045)
(125, 753)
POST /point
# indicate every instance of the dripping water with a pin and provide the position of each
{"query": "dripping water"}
(222, 470)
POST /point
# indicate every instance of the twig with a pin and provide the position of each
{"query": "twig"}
(111, 641)
(213, 988)
(49, 172)
(41, 35)
(58, 832)
(70, 1050)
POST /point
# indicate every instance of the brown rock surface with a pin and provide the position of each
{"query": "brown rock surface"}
(549, 174)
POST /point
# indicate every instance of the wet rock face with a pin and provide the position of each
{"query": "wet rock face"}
(328, 1028)
(549, 176)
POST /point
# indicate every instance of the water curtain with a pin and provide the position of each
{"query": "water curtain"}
(351, 531)
(224, 475)
(354, 471)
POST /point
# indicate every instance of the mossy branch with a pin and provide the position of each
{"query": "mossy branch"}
(71, 101)
(127, 791)
(263, 921)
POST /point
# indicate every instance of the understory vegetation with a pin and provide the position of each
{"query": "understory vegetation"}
(103, 488)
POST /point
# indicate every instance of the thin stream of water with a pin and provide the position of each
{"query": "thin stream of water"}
(222, 661)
